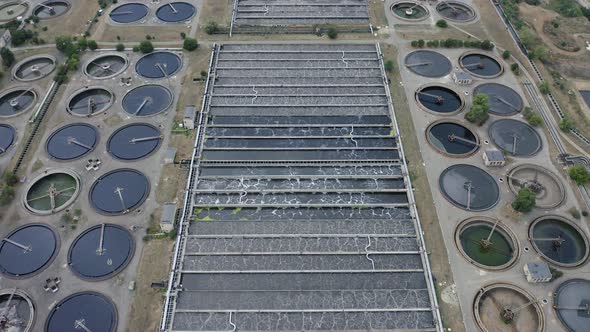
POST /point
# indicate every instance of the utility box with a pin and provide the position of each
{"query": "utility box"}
(168, 217)
(462, 78)
(494, 158)
(190, 112)
(536, 272)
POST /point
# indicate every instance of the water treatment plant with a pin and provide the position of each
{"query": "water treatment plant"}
(267, 165)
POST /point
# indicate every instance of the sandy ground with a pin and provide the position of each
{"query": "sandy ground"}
(76, 20)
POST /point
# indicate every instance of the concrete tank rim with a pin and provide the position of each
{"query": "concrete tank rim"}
(457, 122)
(130, 125)
(165, 109)
(32, 89)
(459, 206)
(400, 2)
(177, 22)
(105, 54)
(429, 51)
(443, 85)
(178, 56)
(12, 3)
(460, 3)
(506, 86)
(67, 2)
(67, 126)
(546, 172)
(88, 88)
(24, 295)
(86, 292)
(22, 62)
(484, 53)
(105, 213)
(43, 174)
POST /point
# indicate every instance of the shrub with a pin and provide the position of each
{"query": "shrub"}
(532, 117)
(414, 43)
(146, 47)
(515, 68)
(62, 74)
(442, 24)
(479, 112)
(182, 35)
(6, 195)
(506, 54)
(332, 33)
(389, 66)
(73, 63)
(575, 213)
(44, 28)
(10, 178)
(148, 37)
(584, 213)
(579, 174)
(211, 27)
(82, 44)
(203, 73)
(92, 45)
(135, 49)
(525, 200)
(34, 19)
(487, 45)
(421, 43)
(19, 37)
(7, 57)
(544, 87)
(566, 124)
(190, 44)
(65, 44)
(120, 47)
(555, 274)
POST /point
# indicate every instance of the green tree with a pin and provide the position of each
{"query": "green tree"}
(389, 66)
(92, 45)
(190, 44)
(120, 47)
(544, 87)
(479, 112)
(487, 45)
(442, 24)
(7, 56)
(65, 45)
(332, 33)
(82, 44)
(579, 174)
(525, 200)
(515, 69)
(211, 27)
(532, 117)
(146, 47)
(566, 124)
(506, 54)
(10, 178)
(421, 42)
(6, 195)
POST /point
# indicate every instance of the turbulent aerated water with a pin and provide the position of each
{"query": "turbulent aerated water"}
(50, 9)
(455, 11)
(503, 100)
(106, 66)
(119, 191)
(101, 252)
(481, 64)
(439, 99)
(452, 138)
(559, 241)
(28, 250)
(91, 310)
(175, 12)
(572, 303)
(134, 141)
(129, 13)
(158, 65)
(16, 102)
(147, 100)
(469, 187)
(428, 63)
(90, 101)
(515, 137)
(7, 137)
(72, 141)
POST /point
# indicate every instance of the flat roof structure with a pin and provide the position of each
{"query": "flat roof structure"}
(297, 214)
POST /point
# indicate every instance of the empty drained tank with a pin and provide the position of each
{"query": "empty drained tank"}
(119, 191)
(174, 12)
(90, 101)
(16, 101)
(469, 187)
(134, 141)
(28, 250)
(84, 311)
(503, 100)
(72, 141)
(158, 65)
(515, 137)
(147, 100)
(129, 13)
(428, 63)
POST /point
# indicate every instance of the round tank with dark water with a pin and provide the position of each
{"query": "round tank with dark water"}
(119, 191)
(515, 137)
(129, 13)
(51, 9)
(52, 191)
(559, 241)
(147, 100)
(469, 187)
(16, 101)
(7, 137)
(90, 101)
(456, 11)
(72, 141)
(452, 138)
(11, 10)
(134, 141)
(428, 63)
(439, 99)
(18, 312)
(28, 250)
(101, 252)
(504, 307)
(487, 243)
(548, 189)
(481, 65)
(174, 12)
(409, 10)
(571, 302)
(84, 311)
(34, 68)
(106, 66)
(502, 99)
(158, 65)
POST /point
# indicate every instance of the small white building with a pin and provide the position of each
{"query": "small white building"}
(169, 155)
(493, 158)
(168, 217)
(462, 78)
(5, 38)
(190, 112)
(537, 272)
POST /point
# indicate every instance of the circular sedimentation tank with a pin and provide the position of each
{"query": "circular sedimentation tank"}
(134, 141)
(147, 100)
(175, 12)
(119, 191)
(559, 241)
(90, 101)
(503, 307)
(409, 10)
(547, 187)
(72, 141)
(452, 138)
(439, 99)
(487, 243)
(51, 9)
(7, 137)
(428, 63)
(52, 191)
(481, 65)
(503, 100)
(571, 302)
(28, 250)
(456, 11)
(158, 65)
(106, 66)
(515, 137)
(34, 68)
(469, 187)
(101, 252)
(11, 10)
(18, 311)
(129, 13)
(16, 101)
(84, 311)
